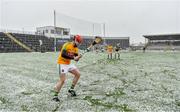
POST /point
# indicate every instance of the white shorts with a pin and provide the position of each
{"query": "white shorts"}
(63, 68)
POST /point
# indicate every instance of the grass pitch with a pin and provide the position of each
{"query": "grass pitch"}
(137, 82)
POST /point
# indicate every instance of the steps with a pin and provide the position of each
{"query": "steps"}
(18, 42)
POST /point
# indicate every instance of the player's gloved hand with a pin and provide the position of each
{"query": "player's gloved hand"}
(87, 49)
(80, 55)
(77, 57)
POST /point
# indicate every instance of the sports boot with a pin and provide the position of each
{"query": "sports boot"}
(72, 92)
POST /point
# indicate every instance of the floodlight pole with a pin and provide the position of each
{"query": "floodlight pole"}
(93, 30)
(55, 31)
(104, 31)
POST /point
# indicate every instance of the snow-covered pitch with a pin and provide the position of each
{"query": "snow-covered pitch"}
(137, 82)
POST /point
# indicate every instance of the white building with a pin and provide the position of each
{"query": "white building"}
(53, 32)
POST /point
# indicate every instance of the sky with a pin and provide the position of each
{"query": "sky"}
(122, 18)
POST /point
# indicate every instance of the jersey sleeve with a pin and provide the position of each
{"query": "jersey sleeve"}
(76, 52)
(65, 53)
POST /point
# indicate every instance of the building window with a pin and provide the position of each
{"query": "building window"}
(65, 33)
(46, 31)
(58, 31)
(52, 31)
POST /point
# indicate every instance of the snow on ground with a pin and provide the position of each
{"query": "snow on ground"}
(137, 82)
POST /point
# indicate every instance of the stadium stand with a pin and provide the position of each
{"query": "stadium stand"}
(33, 41)
(60, 42)
(13, 38)
(8, 45)
(87, 40)
(163, 42)
(19, 42)
(124, 41)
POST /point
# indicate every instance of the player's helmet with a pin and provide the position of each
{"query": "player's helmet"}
(78, 38)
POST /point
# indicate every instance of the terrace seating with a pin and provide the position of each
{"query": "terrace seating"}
(157, 46)
(33, 42)
(39, 43)
(7, 45)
